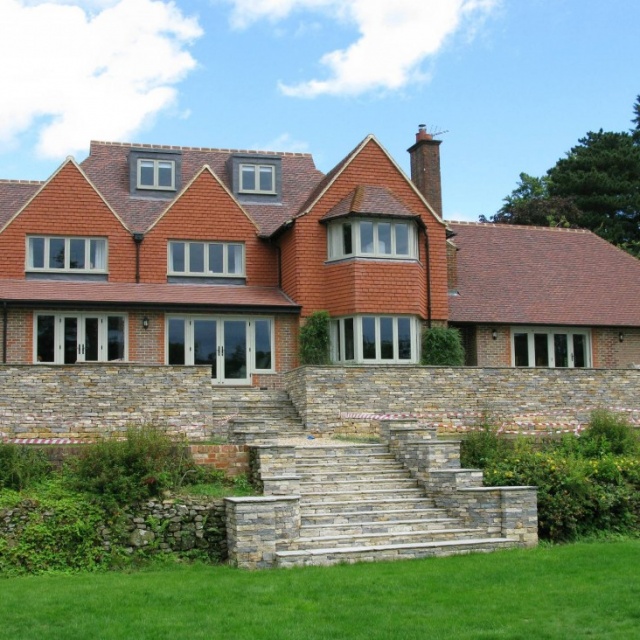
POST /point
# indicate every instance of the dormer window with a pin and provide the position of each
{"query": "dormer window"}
(257, 178)
(156, 174)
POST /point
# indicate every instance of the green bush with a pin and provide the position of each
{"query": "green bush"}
(21, 466)
(585, 486)
(442, 346)
(314, 339)
(139, 466)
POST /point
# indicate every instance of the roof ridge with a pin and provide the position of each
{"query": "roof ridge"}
(146, 145)
(10, 181)
(497, 225)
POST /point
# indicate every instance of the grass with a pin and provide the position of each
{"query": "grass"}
(584, 590)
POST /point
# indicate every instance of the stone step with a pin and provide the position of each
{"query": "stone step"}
(330, 529)
(352, 474)
(348, 464)
(377, 539)
(320, 450)
(350, 555)
(308, 497)
(381, 515)
(357, 485)
(384, 502)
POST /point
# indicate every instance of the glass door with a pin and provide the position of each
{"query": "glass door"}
(233, 359)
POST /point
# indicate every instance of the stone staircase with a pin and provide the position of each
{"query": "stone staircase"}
(250, 415)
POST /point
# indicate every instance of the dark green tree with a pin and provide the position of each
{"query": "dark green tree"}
(635, 132)
(602, 177)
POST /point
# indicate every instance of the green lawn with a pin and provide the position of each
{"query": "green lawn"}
(586, 590)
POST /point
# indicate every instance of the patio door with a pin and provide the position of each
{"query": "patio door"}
(79, 337)
(221, 343)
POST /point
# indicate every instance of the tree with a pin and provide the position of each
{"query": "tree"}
(596, 186)
(531, 204)
(602, 177)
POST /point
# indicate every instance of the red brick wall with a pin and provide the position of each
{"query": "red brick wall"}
(68, 206)
(205, 211)
(493, 353)
(610, 353)
(311, 281)
(19, 336)
(231, 458)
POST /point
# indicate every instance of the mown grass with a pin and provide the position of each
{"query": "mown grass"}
(584, 590)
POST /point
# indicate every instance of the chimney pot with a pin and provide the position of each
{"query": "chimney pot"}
(422, 133)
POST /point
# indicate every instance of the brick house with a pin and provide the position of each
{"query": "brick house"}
(171, 255)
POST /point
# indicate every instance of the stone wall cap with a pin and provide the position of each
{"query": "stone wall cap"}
(487, 489)
(262, 499)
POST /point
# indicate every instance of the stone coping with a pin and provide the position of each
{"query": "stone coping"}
(488, 489)
(262, 499)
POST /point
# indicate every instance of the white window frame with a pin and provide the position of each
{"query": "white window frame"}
(335, 237)
(251, 338)
(80, 315)
(550, 332)
(337, 336)
(205, 273)
(67, 254)
(156, 171)
(257, 168)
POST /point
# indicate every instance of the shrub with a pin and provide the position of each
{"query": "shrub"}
(442, 346)
(314, 339)
(21, 466)
(609, 433)
(141, 465)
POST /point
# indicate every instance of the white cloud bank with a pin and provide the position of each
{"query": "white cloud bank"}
(396, 37)
(93, 69)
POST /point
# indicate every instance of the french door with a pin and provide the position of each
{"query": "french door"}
(79, 337)
(551, 347)
(221, 343)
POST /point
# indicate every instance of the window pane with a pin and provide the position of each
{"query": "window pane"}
(176, 341)
(56, 253)
(76, 253)
(70, 340)
(266, 178)
(366, 237)
(177, 256)
(560, 350)
(347, 239)
(91, 338)
(97, 254)
(335, 333)
(235, 349)
(386, 338)
(216, 260)
(234, 260)
(384, 238)
(521, 349)
(541, 349)
(404, 338)
(115, 338)
(204, 341)
(579, 350)
(146, 173)
(165, 174)
(247, 178)
(349, 340)
(36, 253)
(263, 344)
(402, 239)
(196, 257)
(369, 338)
(45, 351)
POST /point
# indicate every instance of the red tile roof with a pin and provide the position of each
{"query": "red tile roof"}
(534, 275)
(166, 295)
(107, 167)
(14, 194)
(370, 200)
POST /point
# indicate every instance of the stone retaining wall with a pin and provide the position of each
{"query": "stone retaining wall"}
(82, 401)
(335, 398)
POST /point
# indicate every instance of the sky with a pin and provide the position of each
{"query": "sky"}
(507, 85)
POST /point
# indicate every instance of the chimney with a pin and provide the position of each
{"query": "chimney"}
(425, 167)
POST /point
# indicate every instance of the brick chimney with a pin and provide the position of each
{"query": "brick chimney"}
(425, 167)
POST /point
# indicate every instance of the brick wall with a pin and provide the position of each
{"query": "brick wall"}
(322, 394)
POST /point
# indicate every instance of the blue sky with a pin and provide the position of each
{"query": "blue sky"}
(514, 83)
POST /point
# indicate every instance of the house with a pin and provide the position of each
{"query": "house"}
(193, 256)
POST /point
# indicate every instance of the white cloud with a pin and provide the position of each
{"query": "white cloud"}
(93, 69)
(285, 142)
(396, 37)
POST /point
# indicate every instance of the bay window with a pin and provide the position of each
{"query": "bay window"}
(372, 238)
